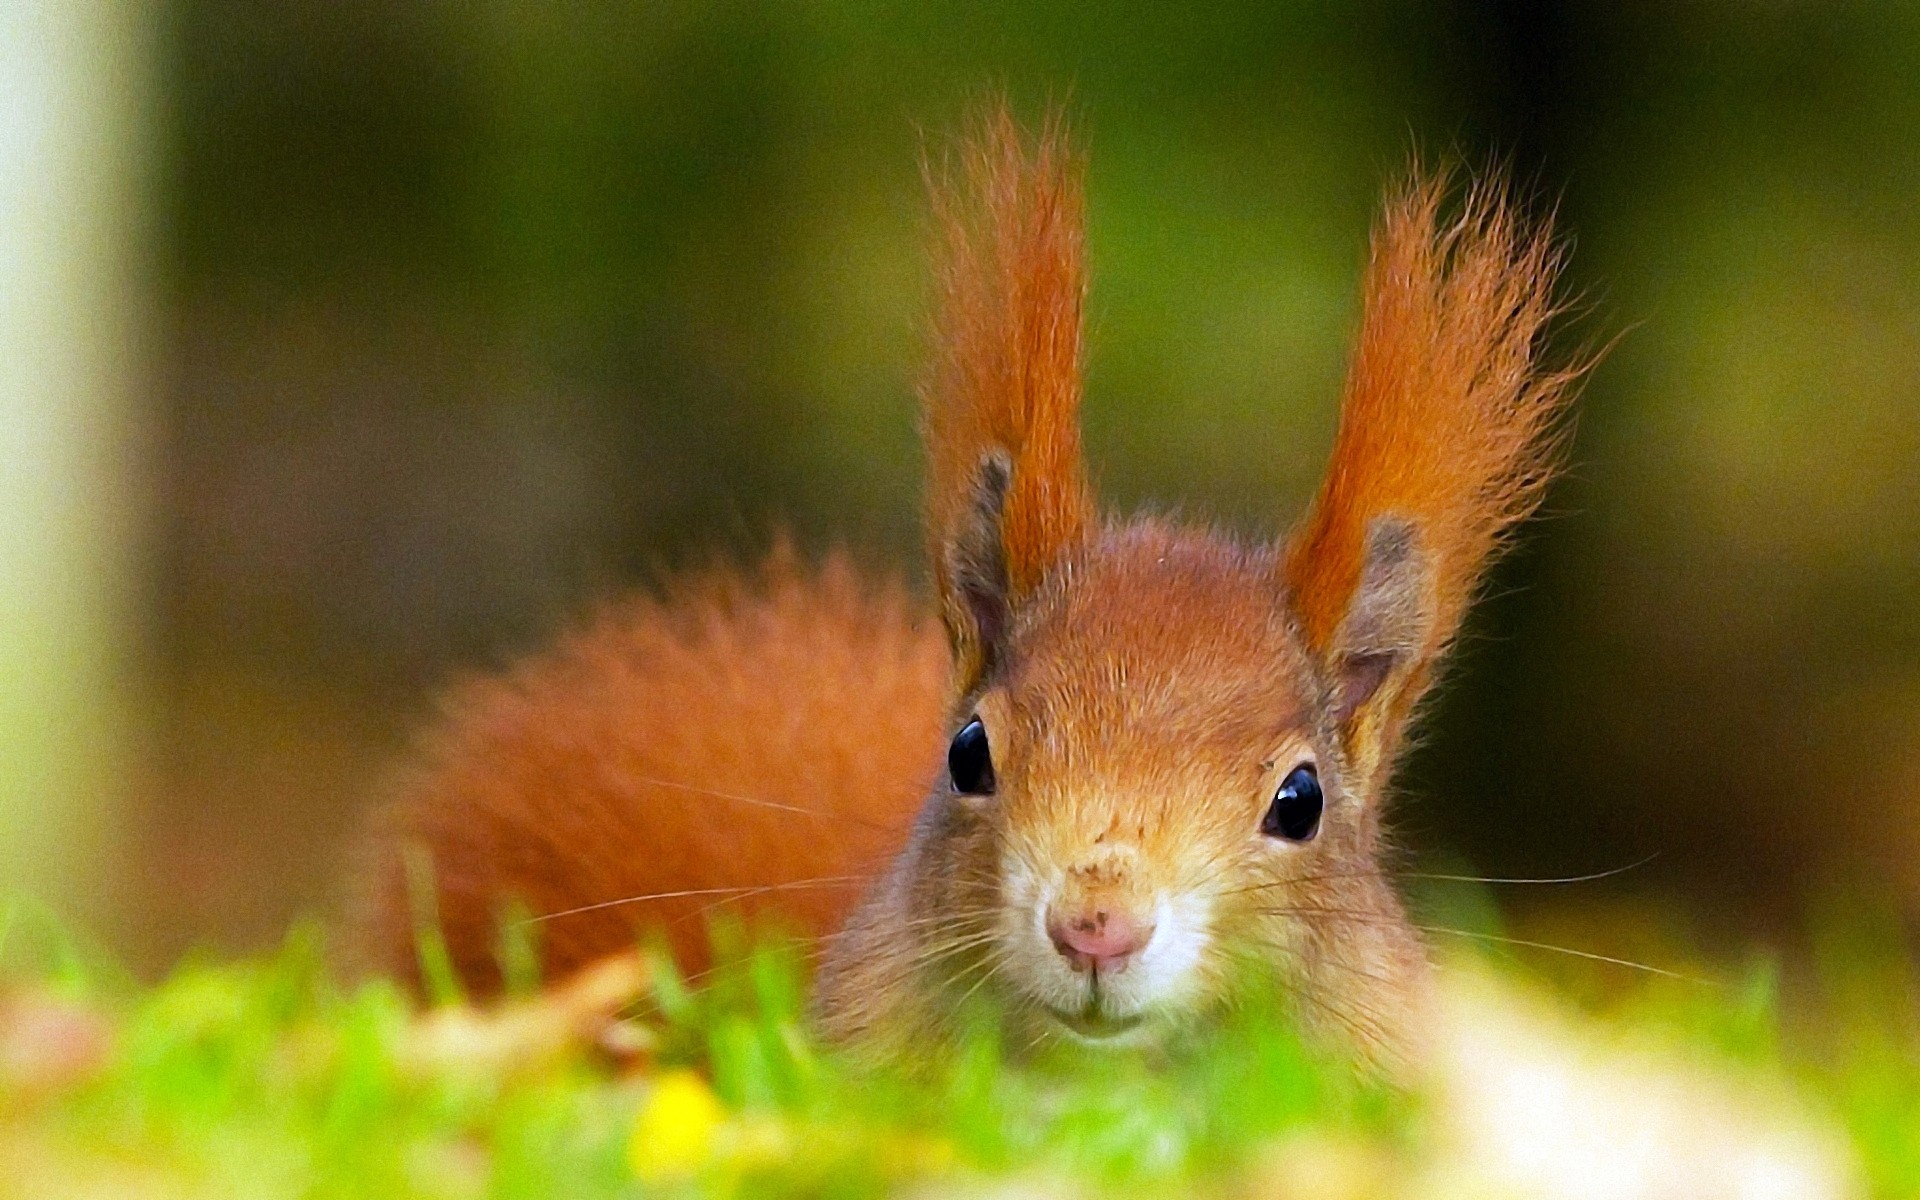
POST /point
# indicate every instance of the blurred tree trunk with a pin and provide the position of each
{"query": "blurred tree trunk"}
(71, 76)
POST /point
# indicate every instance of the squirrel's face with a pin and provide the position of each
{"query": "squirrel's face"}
(1178, 740)
(1156, 796)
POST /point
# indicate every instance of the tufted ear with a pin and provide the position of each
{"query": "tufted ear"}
(1446, 440)
(1007, 495)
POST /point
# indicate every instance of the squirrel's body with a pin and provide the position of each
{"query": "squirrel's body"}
(1168, 752)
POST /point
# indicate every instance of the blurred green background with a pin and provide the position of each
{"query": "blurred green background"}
(450, 317)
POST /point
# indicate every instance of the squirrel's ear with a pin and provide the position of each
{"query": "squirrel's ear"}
(976, 593)
(1007, 495)
(1446, 439)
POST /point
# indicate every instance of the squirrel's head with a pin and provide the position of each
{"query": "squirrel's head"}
(1170, 749)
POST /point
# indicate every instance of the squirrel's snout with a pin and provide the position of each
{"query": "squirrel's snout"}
(1103, 938)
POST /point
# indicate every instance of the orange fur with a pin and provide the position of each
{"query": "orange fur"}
(641, 756)
(1446, 420)
(1005, 376)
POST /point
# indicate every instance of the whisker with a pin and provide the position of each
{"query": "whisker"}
(755, 801)
(1364, 1028)
(1588, 878)
(1337, 964)
(1036, 1038)
(1495, 938)
(1316, 910)
(1336, 876)
(1568, 950)
(808, 952)
(960, 917)
(764, 889)
(951, 947)
(1296, 880)
(985, 910)
(824, 881)
(1299, 964)
(986, 966)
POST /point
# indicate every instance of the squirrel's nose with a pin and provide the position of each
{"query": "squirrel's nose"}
(1101, 938)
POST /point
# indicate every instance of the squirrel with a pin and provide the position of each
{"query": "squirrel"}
(1123, 766)
(1124, 762)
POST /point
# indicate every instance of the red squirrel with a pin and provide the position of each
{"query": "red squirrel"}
(1123, 763)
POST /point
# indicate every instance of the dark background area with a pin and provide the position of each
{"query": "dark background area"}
(471, 313)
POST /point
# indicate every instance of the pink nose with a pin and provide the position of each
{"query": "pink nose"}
(1100, 938)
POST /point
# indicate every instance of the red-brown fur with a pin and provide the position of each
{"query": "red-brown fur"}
(1005, 374)
(1145, 686)
(640, 756)
(1446, 419)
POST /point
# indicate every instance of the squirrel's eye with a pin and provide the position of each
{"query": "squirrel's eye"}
(1295, 814)
(969, 762)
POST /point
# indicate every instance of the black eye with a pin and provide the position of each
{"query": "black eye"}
(969, 762)
(1295, 814)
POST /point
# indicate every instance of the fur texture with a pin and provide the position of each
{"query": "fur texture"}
(1446, 421)
(1003, 390)
(1446, 440)
(746, 744)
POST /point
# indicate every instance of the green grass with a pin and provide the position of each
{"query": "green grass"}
(267, 1078)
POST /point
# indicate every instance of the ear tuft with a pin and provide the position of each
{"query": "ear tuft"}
(1002, 397)
(1448, 435)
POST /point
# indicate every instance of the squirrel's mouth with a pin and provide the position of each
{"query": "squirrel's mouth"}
(1092, 1025)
